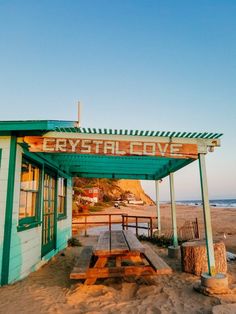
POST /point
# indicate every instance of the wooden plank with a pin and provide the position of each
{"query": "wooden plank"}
(101, 262)
(83, 261)
(133, 242)
(103, 245)
(111, 147)
(118, 261)
(156, 261)
(118, 243)
(114, 272)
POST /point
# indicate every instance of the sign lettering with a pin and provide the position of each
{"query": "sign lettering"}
(111, 147)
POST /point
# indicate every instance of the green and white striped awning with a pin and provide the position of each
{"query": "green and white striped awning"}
(103, 131)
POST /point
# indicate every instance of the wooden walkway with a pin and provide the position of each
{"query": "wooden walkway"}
(117, 254)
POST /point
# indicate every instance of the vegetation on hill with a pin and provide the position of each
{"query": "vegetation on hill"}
(110, 190)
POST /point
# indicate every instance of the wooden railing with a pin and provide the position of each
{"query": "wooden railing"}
(125, 221)
(190, 229)
(149, 228)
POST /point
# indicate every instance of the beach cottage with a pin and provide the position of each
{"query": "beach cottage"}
(38, 160)
(35, 202)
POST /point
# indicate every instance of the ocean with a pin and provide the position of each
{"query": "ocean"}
(227, 203)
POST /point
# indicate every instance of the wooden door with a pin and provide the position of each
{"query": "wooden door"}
(49, 211)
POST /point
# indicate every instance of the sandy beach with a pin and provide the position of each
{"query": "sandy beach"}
(49, 290)
(223, 219)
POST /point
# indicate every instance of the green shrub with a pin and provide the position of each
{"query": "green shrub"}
(73, 242)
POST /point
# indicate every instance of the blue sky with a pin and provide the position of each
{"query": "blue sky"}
(155, 65)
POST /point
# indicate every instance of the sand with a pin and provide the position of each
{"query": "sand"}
(49, 290)
(223, 219)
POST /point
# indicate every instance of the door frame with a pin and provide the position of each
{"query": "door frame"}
(45, 249)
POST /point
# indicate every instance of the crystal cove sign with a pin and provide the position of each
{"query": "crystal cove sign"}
(111, 147)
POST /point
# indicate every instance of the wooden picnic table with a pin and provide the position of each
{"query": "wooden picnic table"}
(117, 254)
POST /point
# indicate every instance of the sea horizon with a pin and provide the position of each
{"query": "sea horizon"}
(217, 202)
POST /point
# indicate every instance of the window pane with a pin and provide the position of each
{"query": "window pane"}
(61, 208)
(30, 175)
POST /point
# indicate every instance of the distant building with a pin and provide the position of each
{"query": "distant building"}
(91, 194)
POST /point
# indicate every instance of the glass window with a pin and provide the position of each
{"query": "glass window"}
(29, 190)
(61, 204)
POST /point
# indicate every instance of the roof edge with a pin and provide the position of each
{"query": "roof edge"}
(35, 125)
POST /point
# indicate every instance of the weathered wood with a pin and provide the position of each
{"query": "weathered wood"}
(118, 261)
(194, 257)
(156, 261)
(103, 245)
(122, 246)
(80, 145)
(83, 261)
(111, 243)
(118, 243)
(114, 272)
(101, 262)
(134, 244)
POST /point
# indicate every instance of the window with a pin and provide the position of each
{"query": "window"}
(29, 192)
(61, 203)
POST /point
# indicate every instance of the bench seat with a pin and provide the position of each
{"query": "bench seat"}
(83, 261)
(156, 261)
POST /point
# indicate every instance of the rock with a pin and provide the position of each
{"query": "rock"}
(230, 256)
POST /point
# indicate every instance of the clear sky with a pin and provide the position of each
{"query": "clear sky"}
(150, 64)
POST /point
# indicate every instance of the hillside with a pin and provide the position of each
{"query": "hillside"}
(135, 187)
(112, 189)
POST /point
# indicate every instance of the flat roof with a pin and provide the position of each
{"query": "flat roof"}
(105, 166)
(70, 126)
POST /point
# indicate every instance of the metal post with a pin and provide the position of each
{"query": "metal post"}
(85, 225)
(207, 216)
(173, 210)
(123, 222)
(151, 230)
(158, 208)
(110, 222)
(79, 114)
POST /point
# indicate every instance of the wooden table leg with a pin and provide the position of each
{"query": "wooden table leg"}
(118, 261)
(133, 258)
(101, 262)
(136, 259)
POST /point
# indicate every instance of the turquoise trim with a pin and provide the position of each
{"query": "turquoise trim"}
(45, 160)
(34, 125)
(28, 226)
(8, 212)
(61, 216)
(33, 220)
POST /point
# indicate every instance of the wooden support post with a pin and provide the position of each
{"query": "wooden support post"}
(173, 210)
(136, 220)
(158, 207)
(127, 222)
(123, 222)
(207, 216)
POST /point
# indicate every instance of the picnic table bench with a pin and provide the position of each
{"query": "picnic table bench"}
(117, 254)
